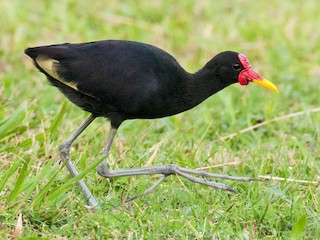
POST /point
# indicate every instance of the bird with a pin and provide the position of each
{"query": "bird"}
(122, 80)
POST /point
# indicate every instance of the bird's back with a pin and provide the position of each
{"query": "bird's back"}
(131, 79)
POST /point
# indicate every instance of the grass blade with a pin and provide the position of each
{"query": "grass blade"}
(58, 118)
(16, 190)
(4, 178)
(298, 228)
(58, 191)
(12, 121)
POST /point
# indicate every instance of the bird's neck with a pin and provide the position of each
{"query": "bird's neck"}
(202, 85)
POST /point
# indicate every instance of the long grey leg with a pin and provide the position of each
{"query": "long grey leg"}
(108, 144)
(165, 170)
(102, 166)
(64, 149)
(171, 169)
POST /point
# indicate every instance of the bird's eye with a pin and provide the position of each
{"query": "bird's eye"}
(236, 67)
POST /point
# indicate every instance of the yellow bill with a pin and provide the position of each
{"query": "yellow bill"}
(267, 84)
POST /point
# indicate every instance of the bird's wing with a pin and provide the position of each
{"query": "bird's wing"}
(53, 61)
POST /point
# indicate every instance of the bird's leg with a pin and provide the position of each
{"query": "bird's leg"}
(64, 149)
(165, 170)
(171, 169)
(102, 166)
(108, 144)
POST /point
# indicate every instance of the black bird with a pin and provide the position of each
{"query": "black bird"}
(123, 80)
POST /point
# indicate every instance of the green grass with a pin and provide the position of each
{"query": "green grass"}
(282, 40)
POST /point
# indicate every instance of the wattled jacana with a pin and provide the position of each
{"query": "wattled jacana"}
(123, 80)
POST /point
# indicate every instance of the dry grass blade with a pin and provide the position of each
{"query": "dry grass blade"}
(277, 119)
(221, 165)
(289, 180)
(154, 149)
(19, 227)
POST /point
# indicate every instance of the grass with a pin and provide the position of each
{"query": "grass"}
(282, 40)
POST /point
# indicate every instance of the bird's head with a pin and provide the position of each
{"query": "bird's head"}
(247, 75)
(236, 68)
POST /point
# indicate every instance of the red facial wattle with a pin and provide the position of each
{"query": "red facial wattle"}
(248, 75)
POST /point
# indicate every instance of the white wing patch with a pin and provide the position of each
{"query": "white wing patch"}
(50, 66)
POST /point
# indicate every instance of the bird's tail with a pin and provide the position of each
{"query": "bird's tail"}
(56, 52)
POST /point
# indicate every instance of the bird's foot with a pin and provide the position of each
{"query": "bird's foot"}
(172, 169)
